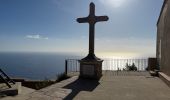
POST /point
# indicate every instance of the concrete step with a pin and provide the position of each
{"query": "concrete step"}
(165, 78)
(154, 73)
(14, 90)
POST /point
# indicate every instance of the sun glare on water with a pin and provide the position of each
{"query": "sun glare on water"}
(119, 55)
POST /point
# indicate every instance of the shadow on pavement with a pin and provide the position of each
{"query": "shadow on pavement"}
(80, 85)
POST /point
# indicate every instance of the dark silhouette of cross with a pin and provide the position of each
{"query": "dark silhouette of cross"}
(92, 19)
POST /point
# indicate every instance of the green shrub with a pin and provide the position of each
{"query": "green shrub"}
(61, 76)
(44, 83)
(130, 67)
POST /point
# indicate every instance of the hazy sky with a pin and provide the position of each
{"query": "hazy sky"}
(50, 26)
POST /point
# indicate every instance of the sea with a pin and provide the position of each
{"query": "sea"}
(45, 65)
(34, 65)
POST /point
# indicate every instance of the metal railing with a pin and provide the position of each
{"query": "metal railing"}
(72, 65)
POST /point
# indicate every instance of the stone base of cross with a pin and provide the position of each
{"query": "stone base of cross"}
(91, 69)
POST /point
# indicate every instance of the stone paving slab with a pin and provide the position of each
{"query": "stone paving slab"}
(109, 87)
(22, 96)
(14, 90)
(127, 88)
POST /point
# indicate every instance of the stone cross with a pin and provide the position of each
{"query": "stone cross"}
(92, 19)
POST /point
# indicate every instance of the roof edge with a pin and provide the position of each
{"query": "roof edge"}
(161, 10)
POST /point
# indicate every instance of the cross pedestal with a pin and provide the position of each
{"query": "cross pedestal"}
(91, 69)
(91, 66)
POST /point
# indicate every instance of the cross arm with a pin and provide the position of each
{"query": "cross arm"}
(82, 20)
(102, 18)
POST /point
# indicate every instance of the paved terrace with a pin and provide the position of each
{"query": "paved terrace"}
(112, 86)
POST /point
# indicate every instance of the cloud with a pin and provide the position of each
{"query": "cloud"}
(37, 36)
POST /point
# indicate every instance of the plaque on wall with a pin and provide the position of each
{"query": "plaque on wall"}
(88, 70)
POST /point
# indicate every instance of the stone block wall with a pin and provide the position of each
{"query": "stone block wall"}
(163, 39)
